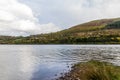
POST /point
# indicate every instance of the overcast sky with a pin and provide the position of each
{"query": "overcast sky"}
(28, 17)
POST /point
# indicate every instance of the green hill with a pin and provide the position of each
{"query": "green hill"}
(104, 31)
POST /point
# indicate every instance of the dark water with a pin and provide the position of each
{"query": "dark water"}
(46, 62)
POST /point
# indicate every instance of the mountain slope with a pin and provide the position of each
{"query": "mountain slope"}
(93, 25)
(104, 31)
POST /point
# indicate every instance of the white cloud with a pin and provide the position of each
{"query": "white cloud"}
(86, 10)
(18, 19)
(67, 13)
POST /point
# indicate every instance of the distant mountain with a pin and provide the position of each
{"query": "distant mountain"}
(104, 31)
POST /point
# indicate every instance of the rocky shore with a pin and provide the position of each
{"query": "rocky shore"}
(92, 70)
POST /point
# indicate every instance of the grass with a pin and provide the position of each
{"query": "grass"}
(93, 70)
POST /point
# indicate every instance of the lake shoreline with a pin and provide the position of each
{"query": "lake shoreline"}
(49, 62)
(92, 70)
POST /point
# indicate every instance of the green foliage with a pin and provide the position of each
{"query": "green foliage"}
(105, 31)
(114, 25)
(93, 70)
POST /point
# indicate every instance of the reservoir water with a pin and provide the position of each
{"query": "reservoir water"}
(47, 62)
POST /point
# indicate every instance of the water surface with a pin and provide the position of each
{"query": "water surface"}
(46, 62)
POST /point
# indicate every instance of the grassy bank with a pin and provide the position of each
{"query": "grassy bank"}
(93, 70)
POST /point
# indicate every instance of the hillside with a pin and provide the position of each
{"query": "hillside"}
(104, 31)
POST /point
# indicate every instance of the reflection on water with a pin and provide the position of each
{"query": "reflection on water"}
(45, 62)
(16, 63)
